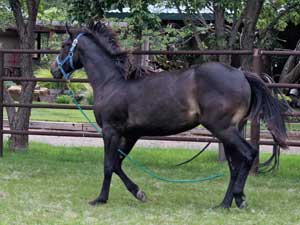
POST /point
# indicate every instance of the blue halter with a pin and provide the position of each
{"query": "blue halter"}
(69, 58)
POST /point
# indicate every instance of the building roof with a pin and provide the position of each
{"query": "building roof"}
(163, 16)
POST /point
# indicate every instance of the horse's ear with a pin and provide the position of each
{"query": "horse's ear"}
(68, 31)
(90, 24)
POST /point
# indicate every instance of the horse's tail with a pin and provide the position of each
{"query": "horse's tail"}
(271, 109)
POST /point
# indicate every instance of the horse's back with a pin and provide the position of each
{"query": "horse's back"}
(220, 74)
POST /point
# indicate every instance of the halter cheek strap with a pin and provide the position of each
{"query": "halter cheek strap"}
(68, 58)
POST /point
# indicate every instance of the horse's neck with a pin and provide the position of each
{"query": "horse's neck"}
(100, 69)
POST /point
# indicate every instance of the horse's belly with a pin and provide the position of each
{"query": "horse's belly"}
(164, 123)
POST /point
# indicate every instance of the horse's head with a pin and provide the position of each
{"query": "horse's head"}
(68, 60)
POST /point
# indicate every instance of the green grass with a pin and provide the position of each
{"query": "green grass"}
(59, 115)
(52, 185)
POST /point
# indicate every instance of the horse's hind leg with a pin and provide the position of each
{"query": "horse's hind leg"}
(126, 146)
(242, 177)
(111, 144)
(243, 153)
(233, 158)
(234, 164)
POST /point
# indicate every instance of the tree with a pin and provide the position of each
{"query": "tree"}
(140, 17)
(25, 14)
(240, 24)
(82, 11)
(275, 17)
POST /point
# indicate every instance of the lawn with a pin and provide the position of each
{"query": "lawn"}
(52, 185)
(59, 115)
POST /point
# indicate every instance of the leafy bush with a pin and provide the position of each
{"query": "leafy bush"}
(63, 99)
(45, 73)
(90, 98)
(76, 87)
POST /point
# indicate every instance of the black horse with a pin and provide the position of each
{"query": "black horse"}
(219, 97)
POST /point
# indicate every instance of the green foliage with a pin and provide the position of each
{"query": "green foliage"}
(52, 14)
(275, 16)
(49, 10)
(159, 39)
(90, 98)
(63, 99)
(76, 87)
(294, 17)
(45, 73)
(140, 18)
(55, 43)
(82, 11)
(6, 16)
(284, 98)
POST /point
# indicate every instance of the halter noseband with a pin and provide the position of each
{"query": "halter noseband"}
(69, 58)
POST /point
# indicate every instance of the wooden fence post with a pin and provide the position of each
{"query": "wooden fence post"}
(1, 102)
(255, 124)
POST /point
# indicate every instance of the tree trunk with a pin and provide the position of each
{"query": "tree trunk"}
(220, 31)
(252, 11)
(11, 111)
(25, 28)
(287, 74)
(22, 116)
(293, 76)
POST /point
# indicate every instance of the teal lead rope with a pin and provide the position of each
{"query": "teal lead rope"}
(136, 163)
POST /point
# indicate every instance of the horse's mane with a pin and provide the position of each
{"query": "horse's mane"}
(107, 39)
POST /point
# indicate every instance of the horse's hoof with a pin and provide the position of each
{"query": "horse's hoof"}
(242, 205)
(222, 206)
(241, 201)
(140, 195)
(97, 202)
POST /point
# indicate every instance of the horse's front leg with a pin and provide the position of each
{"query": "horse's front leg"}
(126, 146)
(245, 155)
(111, 144)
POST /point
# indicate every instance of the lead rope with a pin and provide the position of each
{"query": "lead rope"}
(134, 162)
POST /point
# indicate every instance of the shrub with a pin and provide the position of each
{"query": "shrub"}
(45, 73)
(63, 99)
(90, 98)
(76, 87)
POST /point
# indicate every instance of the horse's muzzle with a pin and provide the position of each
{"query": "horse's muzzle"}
(55, 71)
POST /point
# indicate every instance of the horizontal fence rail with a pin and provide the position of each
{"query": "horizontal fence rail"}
(140, 52)
(48, 106)
(34, 79)
(279, 53)
(256, 53)
(155, 138)
(161, 52)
